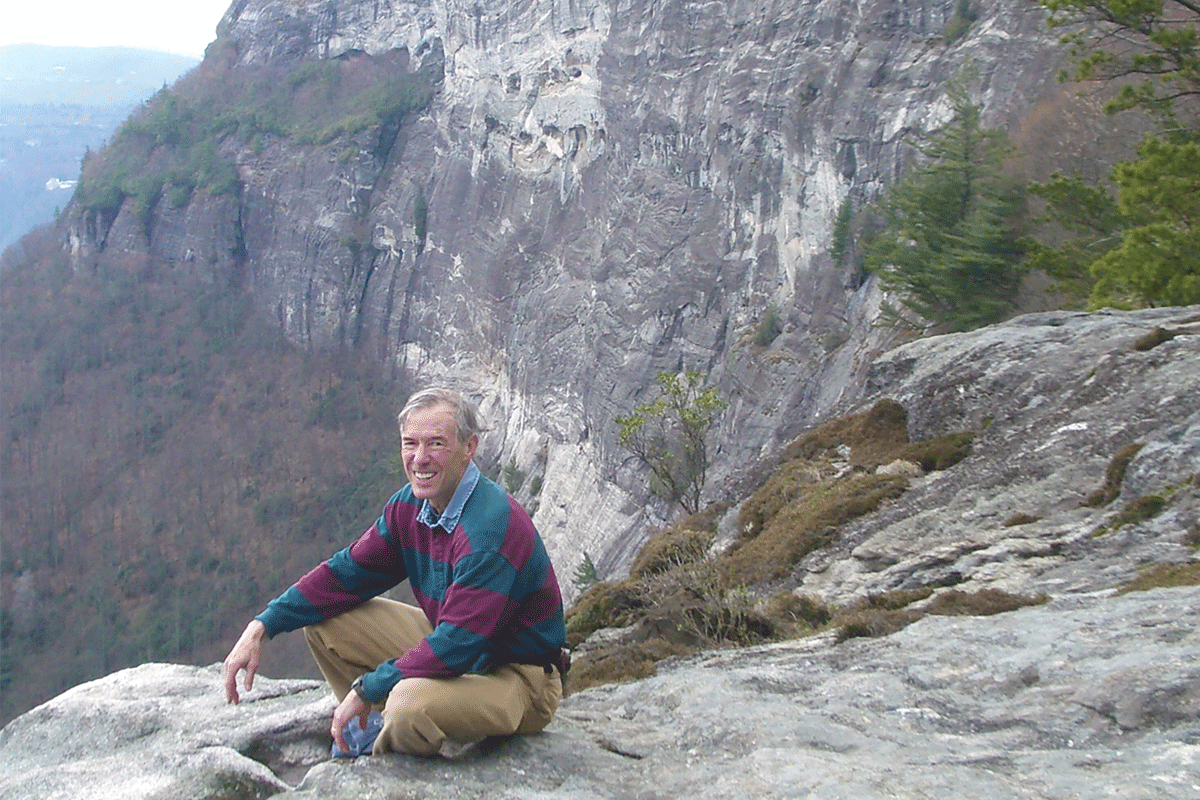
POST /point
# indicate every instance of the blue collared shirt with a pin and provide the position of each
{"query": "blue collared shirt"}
(448, 520)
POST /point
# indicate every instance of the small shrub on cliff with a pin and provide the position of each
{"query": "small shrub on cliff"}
(585, 574)
(769, 327)
(960, 22)
(669, 435)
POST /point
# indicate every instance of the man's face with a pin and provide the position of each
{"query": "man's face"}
(434, 459)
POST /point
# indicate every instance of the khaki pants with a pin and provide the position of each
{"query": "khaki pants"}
(420, 713)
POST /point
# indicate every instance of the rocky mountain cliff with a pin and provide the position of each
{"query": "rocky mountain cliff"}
(598, 191)
(1083, 485)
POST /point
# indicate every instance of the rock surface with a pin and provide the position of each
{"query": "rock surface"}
(1093, 694)
(1053, 398)
(1089, 696)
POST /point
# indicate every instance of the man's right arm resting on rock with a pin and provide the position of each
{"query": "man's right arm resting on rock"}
(244, 655)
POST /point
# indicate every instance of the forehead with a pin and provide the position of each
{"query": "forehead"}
(435, 420)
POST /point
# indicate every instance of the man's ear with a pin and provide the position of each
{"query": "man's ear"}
(472, 444)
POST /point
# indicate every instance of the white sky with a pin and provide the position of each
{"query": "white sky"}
(184, 27)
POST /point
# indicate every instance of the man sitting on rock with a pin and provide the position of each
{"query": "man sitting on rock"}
(480, 657)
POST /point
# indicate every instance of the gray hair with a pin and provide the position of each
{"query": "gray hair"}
(466, 415)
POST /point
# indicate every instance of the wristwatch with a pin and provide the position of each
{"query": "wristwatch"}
(357, 686)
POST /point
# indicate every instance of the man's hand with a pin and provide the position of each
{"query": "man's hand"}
(352, 706)
(244, 655)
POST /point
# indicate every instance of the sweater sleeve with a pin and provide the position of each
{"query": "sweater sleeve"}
(365, 569)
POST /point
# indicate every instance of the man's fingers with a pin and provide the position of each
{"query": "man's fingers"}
(231, 692)
(251, 669)
(341, 742)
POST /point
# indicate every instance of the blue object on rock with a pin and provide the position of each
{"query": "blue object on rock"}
(359, 739)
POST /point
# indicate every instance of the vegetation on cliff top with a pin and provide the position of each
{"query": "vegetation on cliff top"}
(685, 593)
(185, 137)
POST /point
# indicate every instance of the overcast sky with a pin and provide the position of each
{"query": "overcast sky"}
(184, 27)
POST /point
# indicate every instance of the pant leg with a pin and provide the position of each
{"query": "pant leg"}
(358, 641)
(421, 713)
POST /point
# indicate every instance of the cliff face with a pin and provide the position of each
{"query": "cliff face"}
(599, 191)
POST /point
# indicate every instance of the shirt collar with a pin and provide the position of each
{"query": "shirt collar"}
(448, 520)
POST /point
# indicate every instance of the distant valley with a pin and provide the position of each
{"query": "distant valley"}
(55, 103)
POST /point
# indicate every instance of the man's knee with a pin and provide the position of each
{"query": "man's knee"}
(408, 724)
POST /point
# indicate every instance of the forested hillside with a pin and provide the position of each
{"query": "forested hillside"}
(169, 462)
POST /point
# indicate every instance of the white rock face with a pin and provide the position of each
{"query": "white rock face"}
(615, 188)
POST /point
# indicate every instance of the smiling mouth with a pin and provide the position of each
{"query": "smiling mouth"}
(424, 476)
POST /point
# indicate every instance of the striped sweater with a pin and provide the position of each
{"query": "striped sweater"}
(487, 587)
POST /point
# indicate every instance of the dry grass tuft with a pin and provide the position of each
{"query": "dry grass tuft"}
(1162, 576)
(982, 603)
(882, 615)
(870, 623)
(603, 605)
(620, 664)
(1153, 339)
(796, 612)
(1114, 475)
(1140, 510)
(667, 550)
(940, 453)
(1192, 537)
(871, 435)
(806, 522)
